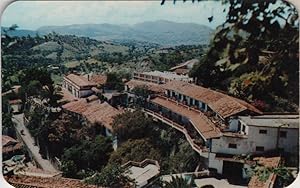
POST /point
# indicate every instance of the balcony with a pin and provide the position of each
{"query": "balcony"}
(195, 144)
(209, 114)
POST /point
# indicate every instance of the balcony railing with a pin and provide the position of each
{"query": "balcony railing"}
(212, 119)
(198, 148)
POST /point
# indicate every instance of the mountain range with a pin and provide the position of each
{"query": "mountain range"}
(162, 32)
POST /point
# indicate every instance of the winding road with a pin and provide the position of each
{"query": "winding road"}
(28, 140)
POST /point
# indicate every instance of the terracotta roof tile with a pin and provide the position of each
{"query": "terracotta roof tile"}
(198, 119)
(79, 80)
(7, 139)
(223, 104)
(94, 111)
(49, 182)
(67, 96)
(151, 86)
(98, 79)
(9, 144)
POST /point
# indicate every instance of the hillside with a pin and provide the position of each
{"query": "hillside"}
(162, 32)
(83, 54)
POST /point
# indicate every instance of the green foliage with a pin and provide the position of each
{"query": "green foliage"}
(139, 137)
(184, 160)
(284, 176)
(89, 154)
(69, 168)
(141, 91)
(179, 182)
(133, 125)
(53, 94)
(135, 150)
(114, 82)
(8, 124)
(253, 55)
(110, 176)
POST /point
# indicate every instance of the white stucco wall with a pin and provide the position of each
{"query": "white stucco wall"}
(254, 139)
(215, 163)
(291, 142)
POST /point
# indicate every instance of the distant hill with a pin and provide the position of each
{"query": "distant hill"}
(20, 32)
(161, 32)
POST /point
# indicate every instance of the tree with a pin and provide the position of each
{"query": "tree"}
(135, 150)
(254, 53)
(114, 82)
(52, 94)
(132, 125)
(69, 168)
(184, 160)
(89, 154)
(111, 175)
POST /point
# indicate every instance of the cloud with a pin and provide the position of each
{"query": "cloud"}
(34, 14)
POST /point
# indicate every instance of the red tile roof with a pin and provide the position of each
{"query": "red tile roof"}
(7, 139)
(94, 111)
(67, 96)
(223, 104)
(46, 182)
(151, 86)
(198, 119)
(79, 80)
(98, 79)
(9, 144)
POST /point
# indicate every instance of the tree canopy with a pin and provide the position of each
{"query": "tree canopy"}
(254, 54)
(87, 155)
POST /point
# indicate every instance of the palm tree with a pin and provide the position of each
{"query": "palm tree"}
(52, 94)
(179, 182)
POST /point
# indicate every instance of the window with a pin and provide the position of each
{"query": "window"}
(283, 134)
(203, 105)
(244, 128)
(262, 131)
(232, 146)
(260, 148)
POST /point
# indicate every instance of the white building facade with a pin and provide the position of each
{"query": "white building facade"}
(78, 86)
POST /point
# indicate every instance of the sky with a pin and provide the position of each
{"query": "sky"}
(34, 14)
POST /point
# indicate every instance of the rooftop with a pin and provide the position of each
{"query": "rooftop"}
(142, 172)
(7, 140)
(98, 79)
(151, 86)
(284, 121)
(9, 144)
(223, 104)
(198, 119)
(94, 111)
(45, 182)
(165, 74)
(67, 96)
(192, 61)
(78, 80)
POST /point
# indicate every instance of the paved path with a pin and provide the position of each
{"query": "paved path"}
(29, 141)
(216, 183)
